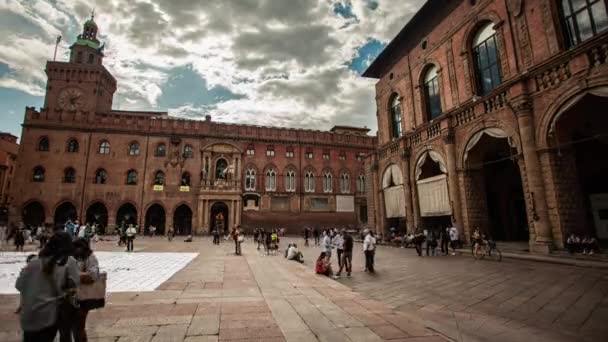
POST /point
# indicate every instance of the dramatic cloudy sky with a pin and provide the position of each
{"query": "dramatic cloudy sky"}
(294, 63)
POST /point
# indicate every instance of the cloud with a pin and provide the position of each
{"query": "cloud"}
(269, 62)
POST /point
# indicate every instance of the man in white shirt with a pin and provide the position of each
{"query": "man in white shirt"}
(326, 244)
(369, 249)
(294, 254)
(338, 242)
(454, 237)
(131, 232)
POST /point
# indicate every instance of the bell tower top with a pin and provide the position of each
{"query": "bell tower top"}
(87, 48)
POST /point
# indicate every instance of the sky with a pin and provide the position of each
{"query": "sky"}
(288, 63)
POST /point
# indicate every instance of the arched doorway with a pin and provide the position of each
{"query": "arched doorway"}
(220, 217)
(394, 200)
(182, 220)
(498, 204)
(580, 139)
(98, 214)
(432, 189)
(66, 211)
(126, 214)
(33, 214)
(155, 216)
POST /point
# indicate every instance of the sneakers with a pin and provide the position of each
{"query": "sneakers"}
(453, 253)
(335, 277)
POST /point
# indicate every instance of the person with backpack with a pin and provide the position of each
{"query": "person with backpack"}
(47, 285)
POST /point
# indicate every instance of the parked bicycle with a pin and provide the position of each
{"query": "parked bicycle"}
(486, 249)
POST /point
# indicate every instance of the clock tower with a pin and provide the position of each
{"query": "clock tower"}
(83, 84)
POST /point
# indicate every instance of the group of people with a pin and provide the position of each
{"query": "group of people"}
(445, 238)
(269, 240)
(50, 290)
(587, 244)
(343, 243)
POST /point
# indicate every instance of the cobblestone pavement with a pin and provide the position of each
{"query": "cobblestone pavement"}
(222, 297)
(469, 300)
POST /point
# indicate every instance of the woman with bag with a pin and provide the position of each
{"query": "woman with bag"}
(89, 274)
(47, 285)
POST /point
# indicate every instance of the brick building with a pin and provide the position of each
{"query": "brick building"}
(491, 112)
(81, 159)
(8, 160)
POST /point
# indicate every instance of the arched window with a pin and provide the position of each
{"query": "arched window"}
(132, 177)
(104, 147)
(271, 180)
(79, 57)
(161, 150)
(159, 178)
(344, 183)
(485, 54)
(101, 176)
(43, 144)
(91, 58)
(290, 181)
(134, 148)
(72, 146)
(327, 182)
(396, 129)
(188, 151)
(38, 175)
(185, 180)
(431, 93)
(250, 180)
(309, 182)
(361, 184)
(69, 175)
(583, 19)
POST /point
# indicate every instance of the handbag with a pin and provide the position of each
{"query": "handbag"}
(93, 296)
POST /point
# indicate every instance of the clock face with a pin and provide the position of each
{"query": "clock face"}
(71, 99)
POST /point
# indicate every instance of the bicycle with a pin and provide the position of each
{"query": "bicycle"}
(487, 249)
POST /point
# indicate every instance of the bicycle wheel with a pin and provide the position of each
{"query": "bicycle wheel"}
(495, 254)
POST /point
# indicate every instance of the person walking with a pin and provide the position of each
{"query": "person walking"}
(369, 249)
(347, 255)
(445, 240)
(326, 244)
(131, 233)
(268, 242)
(19, 239)
(47, 286)
(256, 236)
(89, 273)
(236, 236)
(454, 238)
(338, 242)
(261, 238)
(315, 234)
(431, 243)
(306, 236)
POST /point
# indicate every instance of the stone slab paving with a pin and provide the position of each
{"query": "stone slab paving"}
(470, 300)
(222, 297)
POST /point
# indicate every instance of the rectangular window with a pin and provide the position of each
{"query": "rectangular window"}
(583, 19)
(289, 154)
(308, 155)
(250, 152)
(270, 153)
(325, 156)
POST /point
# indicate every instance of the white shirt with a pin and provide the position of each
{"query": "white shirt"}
(453, 234)
(369, 244)
(338, 242)
(291, 252)
(131, 231)
(326, 244)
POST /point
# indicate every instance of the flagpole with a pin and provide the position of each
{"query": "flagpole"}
(56, 45)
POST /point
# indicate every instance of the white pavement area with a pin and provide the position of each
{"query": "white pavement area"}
(127, 272)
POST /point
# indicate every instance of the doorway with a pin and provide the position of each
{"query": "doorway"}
(126, 215)
(182, 220)
(220, 217)
(98, 214)
(155, 216)
(497, 181)
(66, 211)
(33, 214)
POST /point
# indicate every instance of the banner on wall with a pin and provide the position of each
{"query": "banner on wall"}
(433, 196)
(345, 204)
(394, 201)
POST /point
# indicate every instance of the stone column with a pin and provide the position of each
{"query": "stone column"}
(414, 196)
(376, 192)
(537, 203)
(238, 211)
(206, 211)
(409, 210)
(450, 152)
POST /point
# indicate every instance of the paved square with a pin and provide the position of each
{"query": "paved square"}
(126, 271)
(222, 297)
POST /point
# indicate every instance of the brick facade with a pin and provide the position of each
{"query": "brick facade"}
(8, 161)
(543, 80)
(78, 108)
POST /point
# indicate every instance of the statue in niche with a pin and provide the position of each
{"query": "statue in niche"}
(221, 169)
